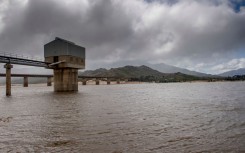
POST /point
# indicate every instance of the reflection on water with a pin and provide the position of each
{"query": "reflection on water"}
(178, 117)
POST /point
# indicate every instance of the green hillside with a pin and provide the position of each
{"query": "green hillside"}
(141, 73)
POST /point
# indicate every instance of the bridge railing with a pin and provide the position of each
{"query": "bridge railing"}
(21, 56)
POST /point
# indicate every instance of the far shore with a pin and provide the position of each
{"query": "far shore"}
(123, 82)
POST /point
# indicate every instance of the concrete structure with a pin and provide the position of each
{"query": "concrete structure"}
(25, 83)
(49, 81)
(65, 80)
(97, 82)
(8, 78)
(84, 82)
(108, 81)
(66, 58)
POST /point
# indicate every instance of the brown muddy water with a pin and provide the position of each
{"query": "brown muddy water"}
(129, 118)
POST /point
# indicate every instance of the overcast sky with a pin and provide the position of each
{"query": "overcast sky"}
(202, 35)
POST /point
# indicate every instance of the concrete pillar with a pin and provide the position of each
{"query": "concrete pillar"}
(84, 82)
(25, 83)
(108, 81)
(65, 79)
(8, 78)
(118, 81)
(49, 81)
(97, 82)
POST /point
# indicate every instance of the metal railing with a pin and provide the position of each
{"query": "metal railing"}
(14, 55)
(21, 60)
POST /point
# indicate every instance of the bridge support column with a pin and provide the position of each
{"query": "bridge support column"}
(25, 83)
(65, 79)
(84, 82)
(118, 81)
(97, 82)
(108, 81)
(49, 81)
(8, 78)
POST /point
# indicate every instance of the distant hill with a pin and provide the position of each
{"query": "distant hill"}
(165, 68)
(233, 72)
(126, 72)
(96, 72)
(141, 73)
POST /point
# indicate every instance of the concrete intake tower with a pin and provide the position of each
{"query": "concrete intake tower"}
(66, 58)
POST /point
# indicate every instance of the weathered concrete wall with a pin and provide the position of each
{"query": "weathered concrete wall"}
(65, 80)
(70, 61)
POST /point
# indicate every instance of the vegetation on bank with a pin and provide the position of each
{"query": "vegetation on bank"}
(236, 78)
(172, 77)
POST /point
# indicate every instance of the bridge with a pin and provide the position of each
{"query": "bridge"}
(21, 60)
(10, 59)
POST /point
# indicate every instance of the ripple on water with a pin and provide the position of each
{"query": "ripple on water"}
(174, 117)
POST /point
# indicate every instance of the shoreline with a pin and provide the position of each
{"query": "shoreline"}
(123, 82)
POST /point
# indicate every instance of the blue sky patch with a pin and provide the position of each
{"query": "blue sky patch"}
(240, 53)
(237, 4)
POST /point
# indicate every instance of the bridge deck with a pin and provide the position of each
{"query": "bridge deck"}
(22, 61)
(49, 75)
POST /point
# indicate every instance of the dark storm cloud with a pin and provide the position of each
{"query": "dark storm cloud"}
(101, 24)
(123, 31)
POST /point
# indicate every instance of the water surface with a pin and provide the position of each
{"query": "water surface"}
(173, 117)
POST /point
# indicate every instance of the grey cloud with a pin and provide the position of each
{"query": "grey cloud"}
(103, 23)
(126, 31)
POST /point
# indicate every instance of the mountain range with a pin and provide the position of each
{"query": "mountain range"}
(124, 72)
(233, 72)
(154, 70)
(140, 73)
(165, 68)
